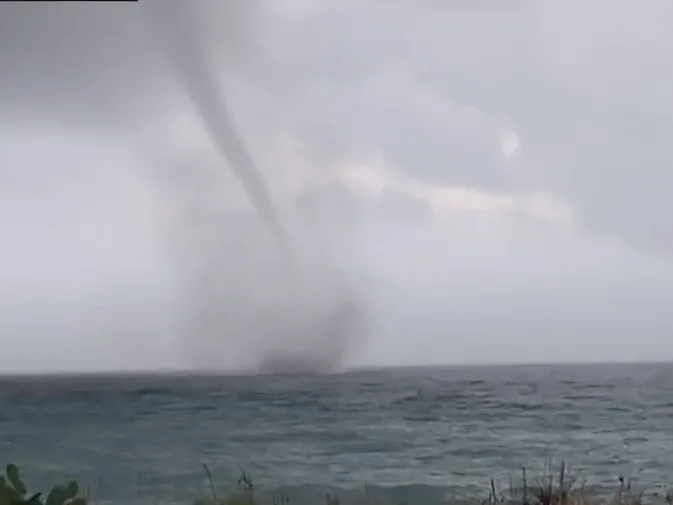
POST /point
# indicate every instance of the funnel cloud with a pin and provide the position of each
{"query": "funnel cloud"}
(180, 36)
(314, 341)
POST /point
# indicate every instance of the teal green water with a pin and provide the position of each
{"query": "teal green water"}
(419, 434)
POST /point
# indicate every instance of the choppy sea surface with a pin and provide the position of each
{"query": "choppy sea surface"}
(411, 435)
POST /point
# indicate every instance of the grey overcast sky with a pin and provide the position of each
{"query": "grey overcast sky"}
(493, 178)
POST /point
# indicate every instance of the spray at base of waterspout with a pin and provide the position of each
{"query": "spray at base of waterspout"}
(322, 345)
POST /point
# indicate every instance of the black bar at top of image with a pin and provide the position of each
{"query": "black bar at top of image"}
(64, 1)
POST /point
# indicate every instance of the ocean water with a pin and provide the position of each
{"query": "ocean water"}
(411, 435)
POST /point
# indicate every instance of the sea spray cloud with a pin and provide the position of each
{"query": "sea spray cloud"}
(239, 305)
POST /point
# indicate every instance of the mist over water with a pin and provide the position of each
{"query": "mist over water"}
(303, 317)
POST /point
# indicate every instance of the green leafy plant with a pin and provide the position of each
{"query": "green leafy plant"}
(14, 492)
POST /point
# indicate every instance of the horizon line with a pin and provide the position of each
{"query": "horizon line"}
(210, 372)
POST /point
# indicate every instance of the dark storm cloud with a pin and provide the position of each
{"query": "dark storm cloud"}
(430, 89)
(97, 64)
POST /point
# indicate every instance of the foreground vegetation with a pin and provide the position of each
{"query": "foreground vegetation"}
(551, 488)
(14, 492)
